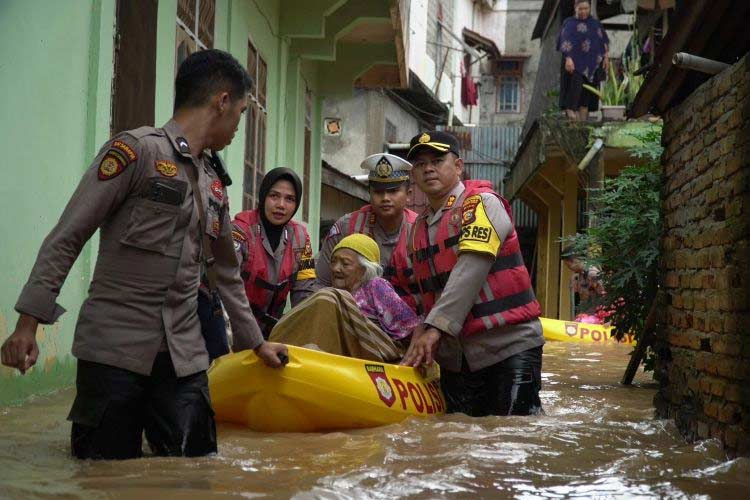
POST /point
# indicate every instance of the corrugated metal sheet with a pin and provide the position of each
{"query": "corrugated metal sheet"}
(523, 215)
(487, 151)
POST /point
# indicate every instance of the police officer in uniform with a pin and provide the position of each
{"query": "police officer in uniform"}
(386, 220)
(274, 252)
(482, 321)
(162, 212)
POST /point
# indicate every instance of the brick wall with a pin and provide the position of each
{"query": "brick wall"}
(703, 350)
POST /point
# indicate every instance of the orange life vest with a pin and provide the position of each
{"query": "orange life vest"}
(264, 296)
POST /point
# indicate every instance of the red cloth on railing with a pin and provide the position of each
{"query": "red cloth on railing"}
(469, 93)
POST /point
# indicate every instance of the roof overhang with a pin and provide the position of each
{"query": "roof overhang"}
(338, 180)
(543, 151)
(420, 101)
(355, 42)
(474, 39)
(714, 29)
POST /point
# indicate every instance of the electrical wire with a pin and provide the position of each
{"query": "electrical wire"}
(414, 107)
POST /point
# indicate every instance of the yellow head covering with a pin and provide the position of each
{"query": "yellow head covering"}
(362, 244)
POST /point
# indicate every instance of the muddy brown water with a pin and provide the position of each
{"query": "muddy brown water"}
(597, 440)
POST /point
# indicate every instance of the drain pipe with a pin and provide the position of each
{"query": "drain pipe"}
(688, 61)
(595, 148)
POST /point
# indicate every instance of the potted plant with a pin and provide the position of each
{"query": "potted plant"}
(616, 95)
(612, 94)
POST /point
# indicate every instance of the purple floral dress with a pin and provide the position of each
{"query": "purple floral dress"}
(584, 41)
(380, 303)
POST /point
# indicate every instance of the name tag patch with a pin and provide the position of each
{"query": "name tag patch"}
(476, 233)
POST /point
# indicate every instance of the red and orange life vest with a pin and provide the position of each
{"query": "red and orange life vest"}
(398, 271)
(264, 296)
(506, 298)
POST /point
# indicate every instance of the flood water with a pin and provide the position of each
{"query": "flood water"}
(597, 440)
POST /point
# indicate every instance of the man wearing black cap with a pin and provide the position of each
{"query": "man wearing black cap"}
(274, 252)
(386, 220)
(482, 316)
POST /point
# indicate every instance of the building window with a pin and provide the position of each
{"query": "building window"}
(509, 66)
(255, 129)
(508, 92)
(307, 156)
(195, 28)
(508, 75)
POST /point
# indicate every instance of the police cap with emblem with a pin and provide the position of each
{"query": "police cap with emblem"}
(435, 140)
(386, 170)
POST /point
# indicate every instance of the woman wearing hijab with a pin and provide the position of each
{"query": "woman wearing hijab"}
(585, 48)
(274, 252)
(361, 316)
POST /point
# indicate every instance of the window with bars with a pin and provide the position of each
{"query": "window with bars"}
(307, 156)
(255, 129)
(195, 28)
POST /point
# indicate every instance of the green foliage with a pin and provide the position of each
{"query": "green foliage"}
(623, 239)
(632, 64)
(552, 108)
(613, 91)
(620, 92)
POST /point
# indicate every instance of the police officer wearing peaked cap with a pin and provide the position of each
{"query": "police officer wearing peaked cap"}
(162, 212)
(385, 219)
(481, 319)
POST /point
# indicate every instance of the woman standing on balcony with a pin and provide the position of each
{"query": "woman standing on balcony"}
(585, 46)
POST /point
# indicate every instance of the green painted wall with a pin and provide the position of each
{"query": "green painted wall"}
(55, 95)
(236, 22)
(166, 30)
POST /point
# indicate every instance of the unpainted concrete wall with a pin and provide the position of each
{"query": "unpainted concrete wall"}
(518, 19)
(363, 127)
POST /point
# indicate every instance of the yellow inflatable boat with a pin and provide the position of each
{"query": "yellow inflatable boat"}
(317, 391)
(570, 331)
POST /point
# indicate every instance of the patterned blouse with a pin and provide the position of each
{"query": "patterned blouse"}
(380, 303)
(584, 41)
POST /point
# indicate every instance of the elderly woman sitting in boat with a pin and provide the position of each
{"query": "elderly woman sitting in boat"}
(361, 316)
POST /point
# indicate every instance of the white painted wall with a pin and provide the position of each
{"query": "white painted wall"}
(463, 17)
(419, 63)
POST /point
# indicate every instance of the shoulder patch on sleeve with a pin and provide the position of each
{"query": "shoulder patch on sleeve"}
(110, 167)
(125, 149)
(238, 235)
(115, 160)
(468, 209)
(307, 252)
(477, 232)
